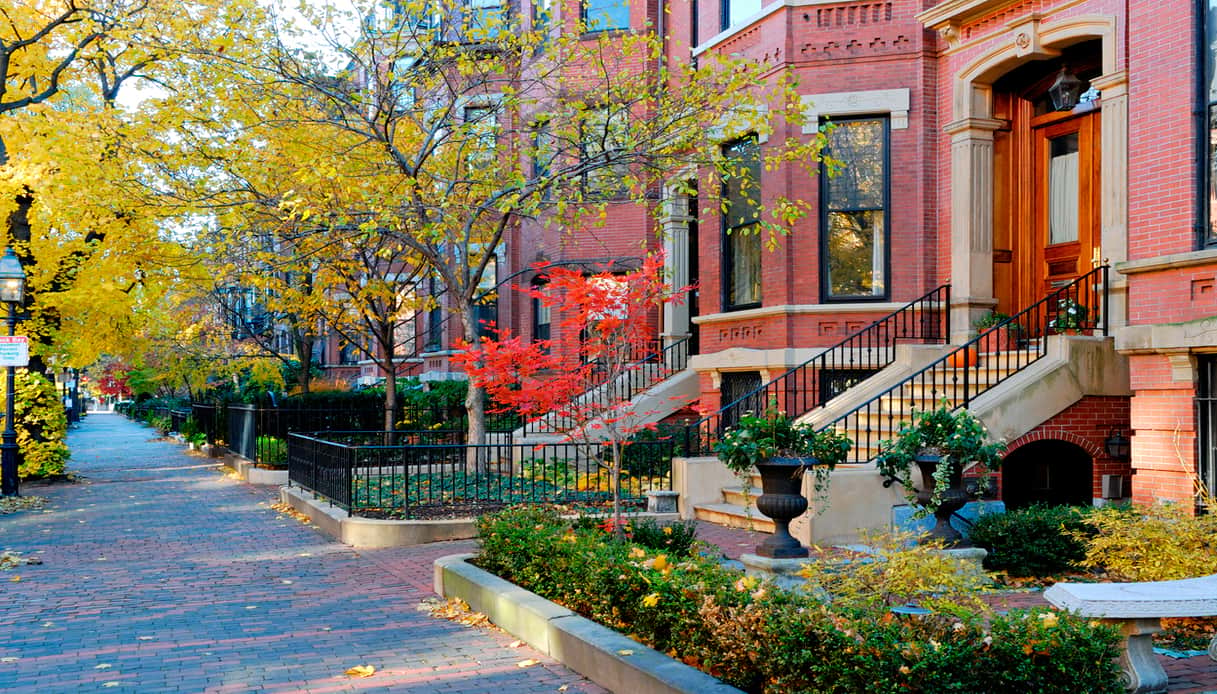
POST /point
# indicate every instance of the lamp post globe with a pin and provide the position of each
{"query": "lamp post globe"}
(12, 292)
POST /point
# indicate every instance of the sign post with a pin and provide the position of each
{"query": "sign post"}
(14, 350)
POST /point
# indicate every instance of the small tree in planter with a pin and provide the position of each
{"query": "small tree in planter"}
(586, 377)
(781, 451)
(942, 444)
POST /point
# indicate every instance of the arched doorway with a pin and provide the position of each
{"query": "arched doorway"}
(1050, 472)
(977, 194)
(1046, 162)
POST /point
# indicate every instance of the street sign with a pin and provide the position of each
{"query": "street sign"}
(14, 350)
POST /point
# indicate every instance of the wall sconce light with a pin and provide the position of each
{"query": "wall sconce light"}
(1065, 91)
(1117, 445)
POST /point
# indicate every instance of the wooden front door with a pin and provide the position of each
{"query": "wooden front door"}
(1065, 225)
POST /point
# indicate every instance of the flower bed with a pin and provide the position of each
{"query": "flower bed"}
(763, 639)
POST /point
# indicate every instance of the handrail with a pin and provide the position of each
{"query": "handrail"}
(837, 368)
(1011, 346)
(647, 368)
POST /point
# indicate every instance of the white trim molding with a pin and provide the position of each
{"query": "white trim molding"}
(894, 102)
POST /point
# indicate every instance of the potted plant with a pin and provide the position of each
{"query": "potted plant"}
(781, 451)
(1003, 334)
(942, 443)
(1070, 317)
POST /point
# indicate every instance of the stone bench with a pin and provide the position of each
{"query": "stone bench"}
(1138, 609)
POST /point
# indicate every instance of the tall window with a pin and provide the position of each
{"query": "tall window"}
(854, 215)
(1206, 407)
(482, 122)
(435, 317)
(542, 318)
(486, 313)
(606, 15)
(604, 139)
(734, 12)
(741, 224)
(487, 19)
(1208, 236)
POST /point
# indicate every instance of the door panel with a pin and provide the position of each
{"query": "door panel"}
(1065, 224)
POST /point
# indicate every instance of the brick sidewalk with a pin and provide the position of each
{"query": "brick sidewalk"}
(161, 575)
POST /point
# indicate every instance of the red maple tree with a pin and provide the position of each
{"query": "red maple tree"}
(581, 384)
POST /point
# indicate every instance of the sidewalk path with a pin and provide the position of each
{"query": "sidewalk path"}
(161, 575)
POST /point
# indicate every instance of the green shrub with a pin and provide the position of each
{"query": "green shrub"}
(763, 639)
(676, 538)
(1034, 541)
(271, 450)
(41, 425)
(1152, 543)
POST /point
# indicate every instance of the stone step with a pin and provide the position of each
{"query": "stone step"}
(732, 516)
(735, 495)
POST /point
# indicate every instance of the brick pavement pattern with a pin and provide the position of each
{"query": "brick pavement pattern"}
(159, 574)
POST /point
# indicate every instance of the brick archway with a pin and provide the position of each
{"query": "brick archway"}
(1069, 437)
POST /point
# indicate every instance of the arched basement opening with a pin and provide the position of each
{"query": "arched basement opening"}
(1048, 471)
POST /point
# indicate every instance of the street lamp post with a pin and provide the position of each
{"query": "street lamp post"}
(12, 292)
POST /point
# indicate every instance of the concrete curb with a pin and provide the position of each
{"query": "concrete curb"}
(373, 532)
(249, 472)
(592, 650)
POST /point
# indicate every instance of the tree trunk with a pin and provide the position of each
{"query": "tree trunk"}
(390, 367)
(475, 404)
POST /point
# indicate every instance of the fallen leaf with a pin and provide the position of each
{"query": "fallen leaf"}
(9, 659)
(564, 687)
(102, 666)
(111, 683)
(361, 671)
(15, 579)
(145, 638)
(515, 644)
(625, 651)
(527, 663)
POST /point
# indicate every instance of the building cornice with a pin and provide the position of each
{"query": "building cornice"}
(1173, 261)
(795, 310)
(960, 11)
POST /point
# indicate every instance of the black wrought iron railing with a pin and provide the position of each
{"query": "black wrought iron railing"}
(649, 366)
(358, 472)
(926, 319)
(981, 363)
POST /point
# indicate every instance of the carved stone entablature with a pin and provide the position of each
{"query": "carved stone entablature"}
(736, 333)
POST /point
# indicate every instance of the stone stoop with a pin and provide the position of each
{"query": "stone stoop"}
(732, 512)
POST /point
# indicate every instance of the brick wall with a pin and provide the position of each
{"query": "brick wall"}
(1087, 423)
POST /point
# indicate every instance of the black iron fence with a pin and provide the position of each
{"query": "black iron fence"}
(649, 365)
(376, 474)
(983, 362)
(831, 372)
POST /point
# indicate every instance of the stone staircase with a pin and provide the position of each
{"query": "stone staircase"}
(879, 424)
(735, 511)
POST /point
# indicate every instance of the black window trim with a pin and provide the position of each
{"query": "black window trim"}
(1206, 236)
(728, 250)
(825, 295)
(588, 30)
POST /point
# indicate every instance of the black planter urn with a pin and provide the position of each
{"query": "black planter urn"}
(782, 500)
(953, 498)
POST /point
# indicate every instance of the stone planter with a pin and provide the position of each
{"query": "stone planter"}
(953, 498)
(783, 501)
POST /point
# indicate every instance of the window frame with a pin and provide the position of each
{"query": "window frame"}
(826, 296)
(727, 274)
(1206, 125)
(585, 7)
(1206, 435)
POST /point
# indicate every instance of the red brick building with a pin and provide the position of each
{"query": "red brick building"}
(962, 167)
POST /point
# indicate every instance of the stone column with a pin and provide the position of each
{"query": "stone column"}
(674, 225)
(971, 221)
(1113, 237)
